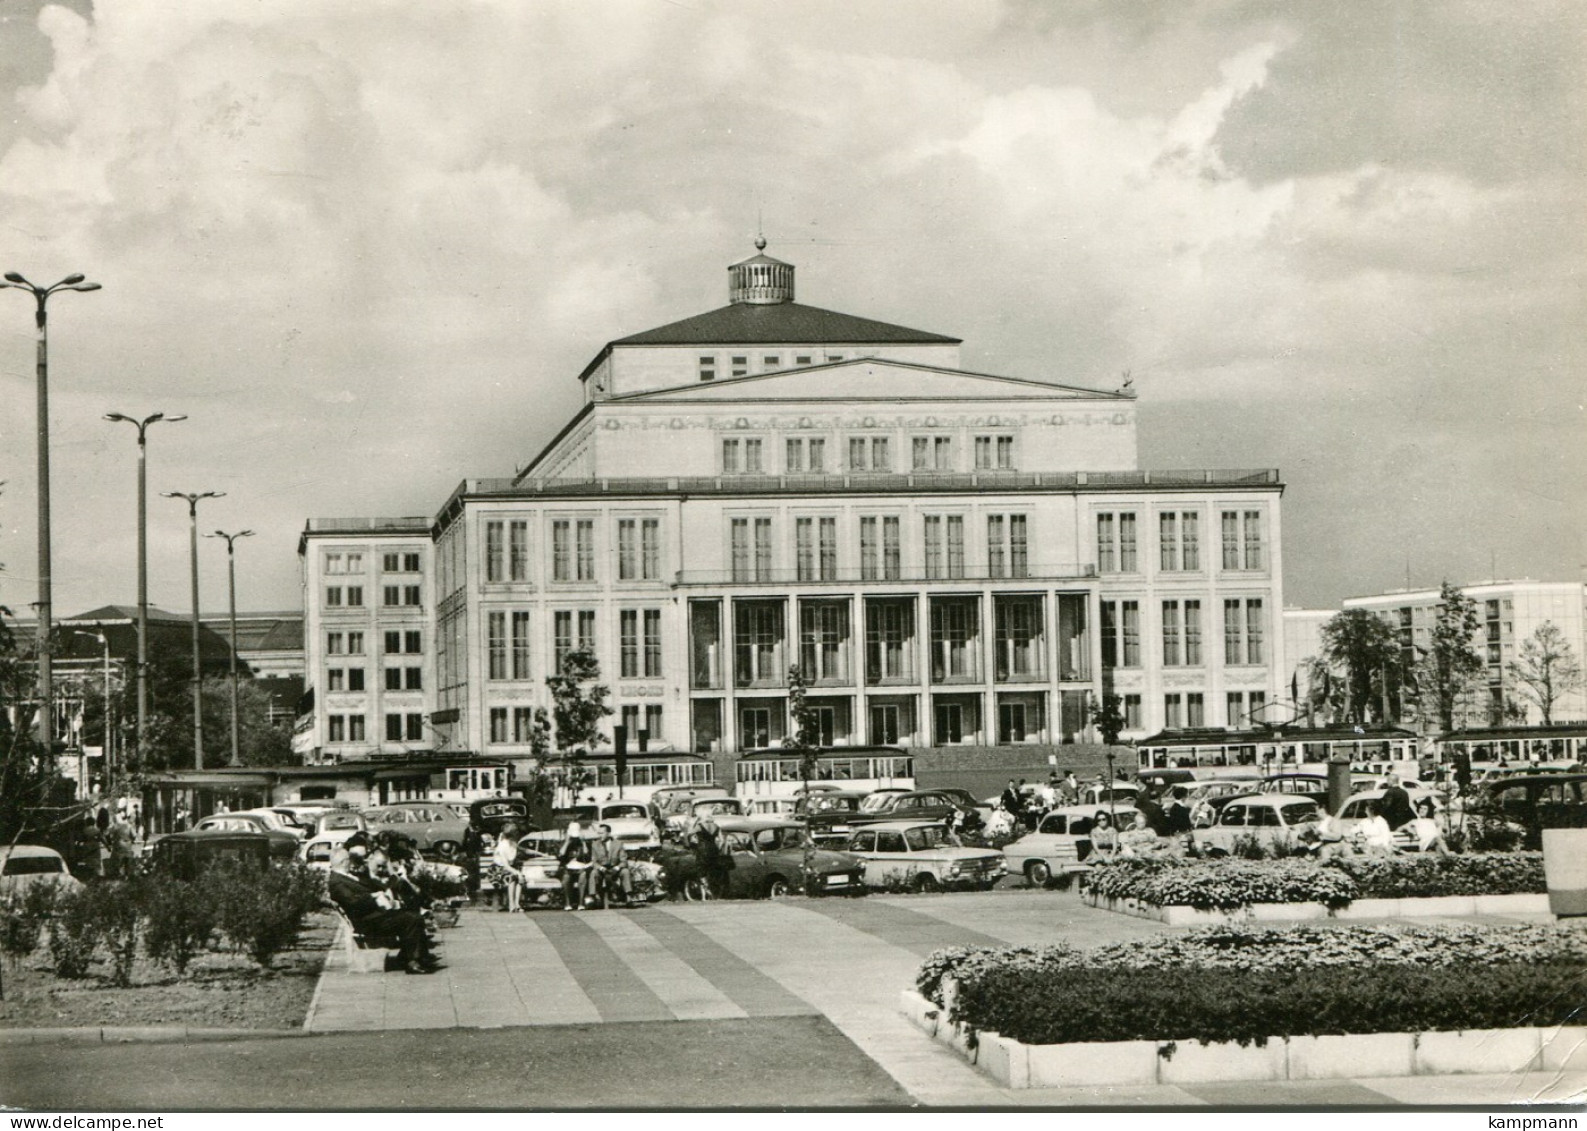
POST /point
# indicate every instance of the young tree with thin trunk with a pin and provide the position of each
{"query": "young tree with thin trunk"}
(1546, 669)
(578, 704)
(1450, 665)
(804, 739)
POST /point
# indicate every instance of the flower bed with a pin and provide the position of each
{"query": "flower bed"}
(1231, 883)
(1255, 983)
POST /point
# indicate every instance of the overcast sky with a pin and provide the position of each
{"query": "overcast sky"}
(368, 246)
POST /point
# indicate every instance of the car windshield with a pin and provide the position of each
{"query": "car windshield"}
(34, 866)
(579, 813)
(1299, 814)
(833, 804)
(339, 821)
(716, 805)
(621, 811)
(924, 837)
(875, 801)
(768, 839)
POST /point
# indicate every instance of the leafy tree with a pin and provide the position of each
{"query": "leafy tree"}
(35, 800)
(578, 704)
(259, 741)
(1110, 718)
(1449, 667)
(804, 739)
(1365, 648)
(1546, 669)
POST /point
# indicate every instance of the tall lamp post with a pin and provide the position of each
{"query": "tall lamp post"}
(231, 587)
(40, 319)
(143, 561)
(192, 499)
(104, 641)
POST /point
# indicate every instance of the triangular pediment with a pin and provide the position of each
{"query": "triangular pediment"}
(869, 379)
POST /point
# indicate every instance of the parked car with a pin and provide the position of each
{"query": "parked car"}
(1121, 793)
(923, 804)
(918, 854)
(308, 813)
(433, 826)
(631, 823)
(339, 824)
(23, 866)
(715, 806)
(769, 860)
(1537, 802)
(772, 806)
(283, 844)
(186, 855)
(880, 795)
(1354, 812)
(1296, 784)
(1207, 799)
(830, 813)
(281, 822)
(1273, 820)
(1061, 841)
(317, 850)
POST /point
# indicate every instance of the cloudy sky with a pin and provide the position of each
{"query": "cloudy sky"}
(367, 246)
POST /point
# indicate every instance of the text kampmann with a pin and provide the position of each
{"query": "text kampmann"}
(1532, 1122)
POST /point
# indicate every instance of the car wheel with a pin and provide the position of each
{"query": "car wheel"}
(778, 888)
(447, 848)
(1038, 874)
(926, 882)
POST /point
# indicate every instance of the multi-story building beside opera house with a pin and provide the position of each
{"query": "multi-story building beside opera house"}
(953, 558)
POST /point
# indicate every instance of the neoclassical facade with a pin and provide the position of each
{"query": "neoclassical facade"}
(951, 557)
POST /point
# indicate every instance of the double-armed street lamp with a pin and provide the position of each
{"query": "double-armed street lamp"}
(46, 675)
(231, 587)
(143, 560)
(192, 499)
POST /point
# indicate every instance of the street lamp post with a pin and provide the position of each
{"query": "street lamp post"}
(46, 670)
(104, 641)
(143, 561)
(231, 587)
(192, 499)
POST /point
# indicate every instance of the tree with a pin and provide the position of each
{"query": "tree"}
(1324, 695)
(1546, 669)
(1110, 718)
(259, 741)
(1365, 648)
(578, 704)
(1449, 666)
(804, 739)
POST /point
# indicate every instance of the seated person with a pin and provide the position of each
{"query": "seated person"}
(574, 856)
(1104, 839)
(1374, 833)
(607, 860)
(1139, 839)
(374, 914)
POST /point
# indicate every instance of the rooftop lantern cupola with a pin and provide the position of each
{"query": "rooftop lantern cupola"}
(760, 280)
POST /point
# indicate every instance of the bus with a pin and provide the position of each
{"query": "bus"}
(775, 772)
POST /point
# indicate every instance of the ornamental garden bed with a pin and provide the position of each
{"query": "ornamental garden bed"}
(1189, 890)
(1300, 1002)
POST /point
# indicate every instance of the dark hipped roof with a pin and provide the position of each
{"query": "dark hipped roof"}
(780, 323)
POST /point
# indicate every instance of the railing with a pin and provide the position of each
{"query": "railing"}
(414, 523)
(868, 482)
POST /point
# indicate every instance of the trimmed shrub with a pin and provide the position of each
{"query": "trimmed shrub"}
(117, 906)
(22, 918)
(1412, 877)
(262, 912)
(181, 916)
(74, 933)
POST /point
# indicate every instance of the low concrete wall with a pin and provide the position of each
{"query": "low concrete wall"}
(1179, 915)
(1478, 1051)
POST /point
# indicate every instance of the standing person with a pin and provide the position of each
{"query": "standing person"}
(1395, 804)
(473, 849)
(1010, 799)
(1071, 788)
(504, 866)
(1178, 812)
(574, 856)
(715, 862)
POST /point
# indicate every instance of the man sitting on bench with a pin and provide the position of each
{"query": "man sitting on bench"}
(374, 915)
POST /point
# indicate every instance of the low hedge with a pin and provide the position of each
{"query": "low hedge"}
(1256, 982)
(1229, 883)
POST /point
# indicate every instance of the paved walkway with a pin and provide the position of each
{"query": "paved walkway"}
(844, 959)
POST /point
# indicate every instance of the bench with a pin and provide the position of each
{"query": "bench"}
(364, 956)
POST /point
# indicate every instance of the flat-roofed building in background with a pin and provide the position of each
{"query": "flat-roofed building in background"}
(953, 558)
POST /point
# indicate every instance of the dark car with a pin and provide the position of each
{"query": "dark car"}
(770, 858)
(283, 845)
(830, 813)
(186, 855)
(488, 816)
(1538, 801)
(922, 804)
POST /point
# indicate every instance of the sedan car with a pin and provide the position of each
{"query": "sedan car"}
(283, 844)
(1061, 841)
(1273, 820)
(433, 825)
(338, 823)
(923, 805)
(830, 814)
(771, 858)
(1413, 836)
(23, 866)
(919, 855)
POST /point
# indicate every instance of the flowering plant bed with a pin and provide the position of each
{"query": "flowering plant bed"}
(1231, 883)
(1252, 984)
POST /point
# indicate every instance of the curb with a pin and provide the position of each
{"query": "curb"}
(149, 1034)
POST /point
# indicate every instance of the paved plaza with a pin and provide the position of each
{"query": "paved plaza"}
(844, 960)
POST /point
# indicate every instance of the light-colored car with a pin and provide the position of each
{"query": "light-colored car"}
(276, 820)
(696, 808)
(918, 855)
(1121, 793)
(875, 799)
(1061, 842)
(434, 825)
(339, 823)
(316, 851)
(1409, 837)
(773, 806)
(630, 821)
(23, 866)
(1273, 820)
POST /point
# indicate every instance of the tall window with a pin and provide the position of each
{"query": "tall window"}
(870, 453)
(880, 553)
(1195, 709)
(1242, 540)
(994, 453)
(561, 550)
(628, 643)
(1121, 634)
(757, 642)
(498, 724)
(1243, 631)
(1116, 542)
(518, 550)
(561, 637)
(496, 645)
(823, 629)
(1172, 654)
(1006, 546)
(944, 546)
(751, 549)
(627, 549)
(1174, 711)
(730, 456)
(653, 728)
(523, 725)
(1018, 637)
(520, 644)
(816, 549)
(1193, 632)
(1132, 712)
(806, 454)
(1179, 540)
(584, 531)
(650, 549)
(954, 631)
(586, 630)
(494, 551)
(931, 453)
(888, 629)
(652, 621)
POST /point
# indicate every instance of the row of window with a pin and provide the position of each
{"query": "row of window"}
(408, 642)
(507, 641)
(400, 727)
(352, 679)
(391, 596)
(746, 455)
(345, 562)
(1244, 633)
(737, 364)
(521, 731)
(1179, 541)
(751, 541)
(1188, 709)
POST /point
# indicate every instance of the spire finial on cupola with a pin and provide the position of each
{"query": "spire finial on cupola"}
(760, 280)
